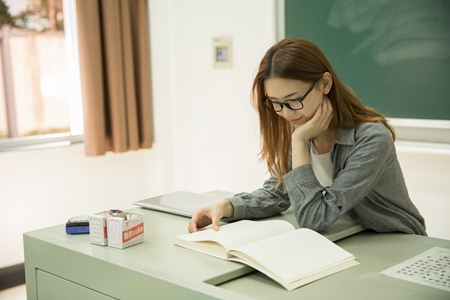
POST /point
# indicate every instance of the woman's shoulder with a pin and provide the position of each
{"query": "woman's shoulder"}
(374, 132)
(372, 128)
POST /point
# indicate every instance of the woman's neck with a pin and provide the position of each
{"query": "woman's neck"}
(324, 142)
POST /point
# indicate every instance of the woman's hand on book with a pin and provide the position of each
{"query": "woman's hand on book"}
(210, 214)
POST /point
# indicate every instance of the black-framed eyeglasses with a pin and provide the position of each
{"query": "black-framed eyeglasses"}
(294, 104)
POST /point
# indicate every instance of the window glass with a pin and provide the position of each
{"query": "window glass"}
(36, 94)
(3, 128)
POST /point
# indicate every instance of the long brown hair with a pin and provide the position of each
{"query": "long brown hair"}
(301, 60)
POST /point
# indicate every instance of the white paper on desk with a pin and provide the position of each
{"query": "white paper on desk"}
(430, 268)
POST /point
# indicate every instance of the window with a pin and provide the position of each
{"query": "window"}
(40, 94)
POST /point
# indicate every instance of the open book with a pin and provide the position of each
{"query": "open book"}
(275, 248)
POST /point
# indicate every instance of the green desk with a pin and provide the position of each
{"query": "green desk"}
(61, 266)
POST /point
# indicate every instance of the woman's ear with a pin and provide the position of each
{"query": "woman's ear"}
(327, 82)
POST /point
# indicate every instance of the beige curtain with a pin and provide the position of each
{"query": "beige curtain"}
(113, 38)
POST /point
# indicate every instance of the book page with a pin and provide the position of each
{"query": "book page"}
(240, 233)
(294, 255)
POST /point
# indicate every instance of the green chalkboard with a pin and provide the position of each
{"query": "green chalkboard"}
(394, 54)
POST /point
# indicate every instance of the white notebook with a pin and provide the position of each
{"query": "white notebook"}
(292, 257)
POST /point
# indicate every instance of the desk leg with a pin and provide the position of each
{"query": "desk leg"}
(30, 268)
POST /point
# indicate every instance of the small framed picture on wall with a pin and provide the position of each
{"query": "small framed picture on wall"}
(222, 52)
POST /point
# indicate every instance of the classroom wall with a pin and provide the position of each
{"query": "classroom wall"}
(206, 133)
(212, 122)
(426, 171)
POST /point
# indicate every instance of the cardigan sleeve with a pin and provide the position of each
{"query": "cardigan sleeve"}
(317, 207)
(262, 203)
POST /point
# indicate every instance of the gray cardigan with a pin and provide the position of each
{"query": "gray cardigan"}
(368, 184)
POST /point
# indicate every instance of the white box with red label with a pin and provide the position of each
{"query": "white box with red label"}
(97, 228)
(125, 230)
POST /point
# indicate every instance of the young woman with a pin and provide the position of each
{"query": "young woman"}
(327, 153)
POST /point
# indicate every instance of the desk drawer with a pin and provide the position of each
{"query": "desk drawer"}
(51, 287)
